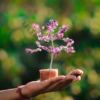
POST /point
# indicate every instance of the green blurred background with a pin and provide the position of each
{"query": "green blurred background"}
(18, 67)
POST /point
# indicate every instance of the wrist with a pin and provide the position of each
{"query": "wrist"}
(23, 92)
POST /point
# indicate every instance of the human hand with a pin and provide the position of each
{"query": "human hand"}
(59, 83)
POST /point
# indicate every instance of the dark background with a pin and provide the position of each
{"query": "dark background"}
(18, 67)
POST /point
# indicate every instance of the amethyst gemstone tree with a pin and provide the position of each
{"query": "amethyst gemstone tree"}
(51, 36)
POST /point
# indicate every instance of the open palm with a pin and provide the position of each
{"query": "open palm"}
(59, 83)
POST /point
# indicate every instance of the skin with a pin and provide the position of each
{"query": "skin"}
(35, 88)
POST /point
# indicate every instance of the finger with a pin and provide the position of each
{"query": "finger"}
(70, 77)
(67, 82)
(58, 85)
(49, 82)
(77, 79)
(76, 72)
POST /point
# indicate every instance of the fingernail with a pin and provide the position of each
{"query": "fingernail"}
(80, 77)
(81, 71)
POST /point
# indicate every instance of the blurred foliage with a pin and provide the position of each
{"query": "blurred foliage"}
(17, 67)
